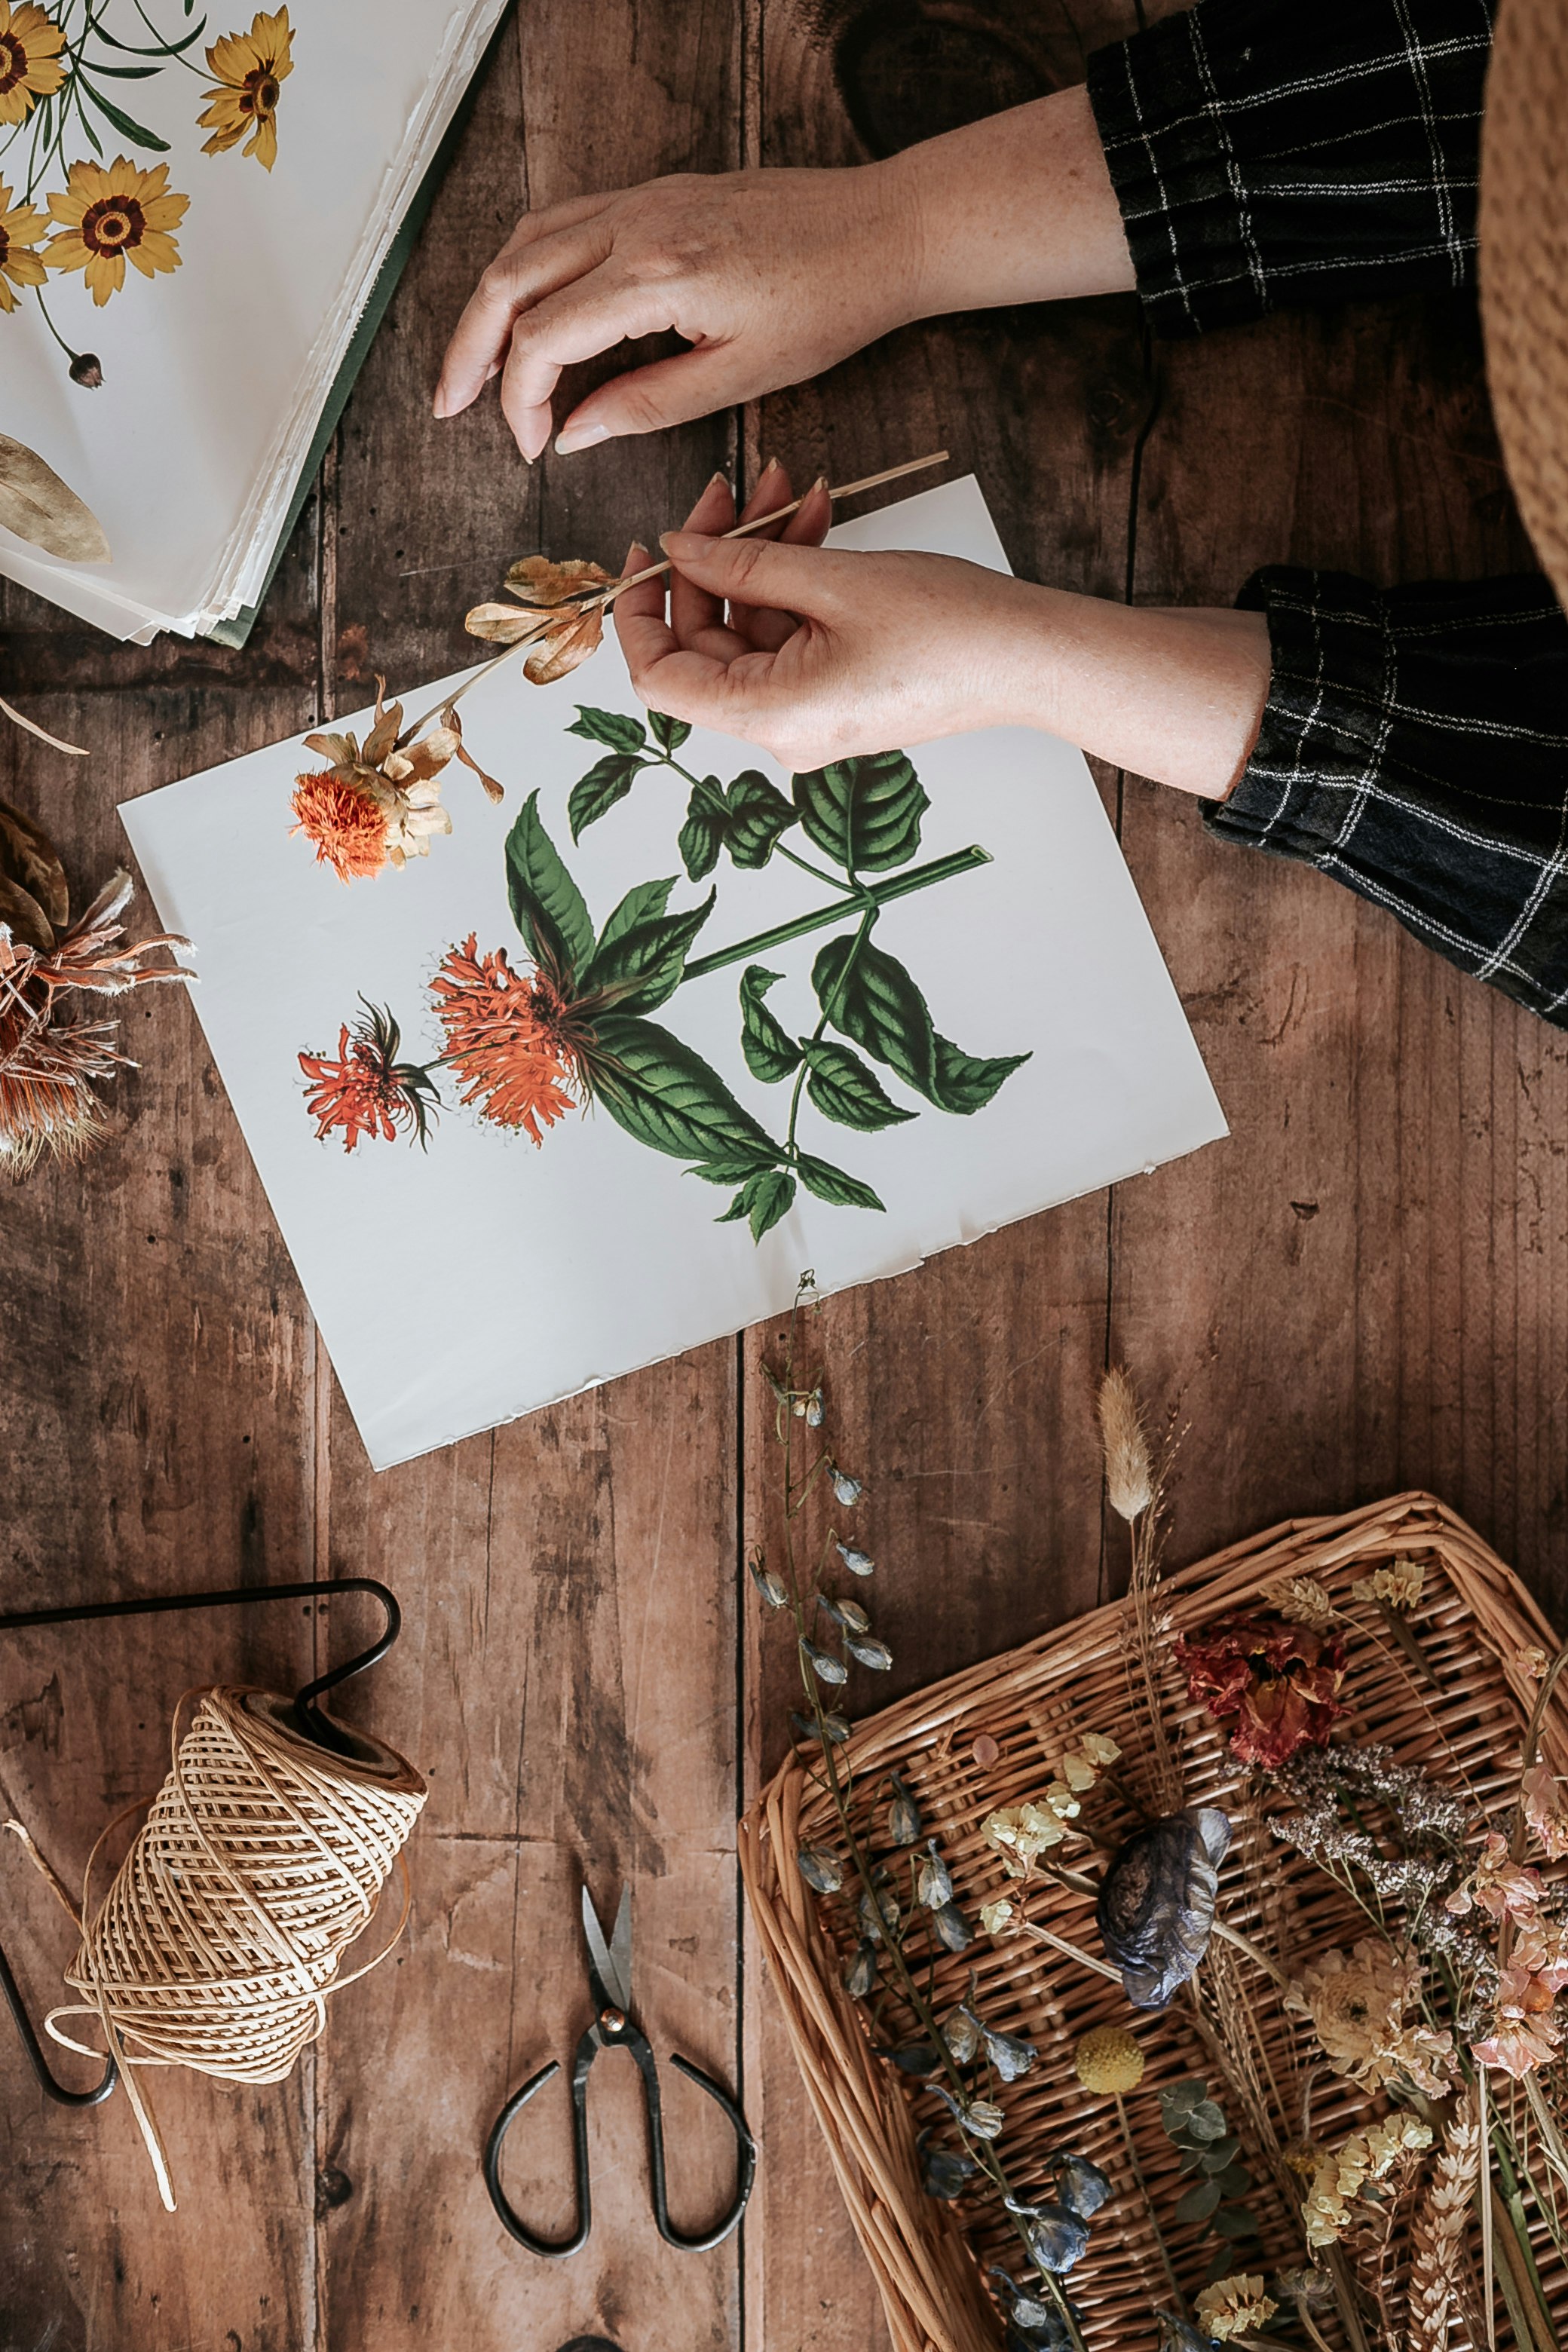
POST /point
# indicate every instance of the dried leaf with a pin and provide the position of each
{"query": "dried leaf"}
(21, 912)
(388, 725)
(449, 718)
(31, 726)
(563, 648)
(27, 856)
(500, 625)
(45, 511)
(534, 579)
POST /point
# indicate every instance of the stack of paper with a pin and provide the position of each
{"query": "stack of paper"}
(218, 366)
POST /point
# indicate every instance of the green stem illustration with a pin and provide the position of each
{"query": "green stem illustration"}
(876, 895)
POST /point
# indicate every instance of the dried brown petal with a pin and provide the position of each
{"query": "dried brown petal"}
(388, 726)
(23, 915)
(563, 648)
(342, 751)
(45, 511)
(500, 625)
(534, 579)
(27, 856)
(451, 720)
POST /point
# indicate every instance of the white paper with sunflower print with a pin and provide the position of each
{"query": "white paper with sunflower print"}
(465, 1283)
(194, 203)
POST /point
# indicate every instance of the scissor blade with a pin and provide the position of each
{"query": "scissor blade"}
(612, 1960)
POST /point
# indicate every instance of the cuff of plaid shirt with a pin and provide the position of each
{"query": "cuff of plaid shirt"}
(1414, 745)
(1266, 154)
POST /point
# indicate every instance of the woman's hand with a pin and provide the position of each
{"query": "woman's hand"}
(822, 655)
(773, 275)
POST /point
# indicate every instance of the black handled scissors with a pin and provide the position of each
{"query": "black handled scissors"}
(609, 1981)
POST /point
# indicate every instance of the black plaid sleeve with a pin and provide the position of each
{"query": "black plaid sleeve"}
(1266, 152)
(1414, 745)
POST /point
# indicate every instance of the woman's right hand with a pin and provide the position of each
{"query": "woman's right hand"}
(770, 275)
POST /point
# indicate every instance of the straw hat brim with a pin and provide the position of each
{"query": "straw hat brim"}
(1524, 266)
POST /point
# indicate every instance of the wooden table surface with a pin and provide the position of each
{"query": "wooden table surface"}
(1365, 1288)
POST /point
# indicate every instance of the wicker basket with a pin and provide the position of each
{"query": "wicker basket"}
(1461, 1721)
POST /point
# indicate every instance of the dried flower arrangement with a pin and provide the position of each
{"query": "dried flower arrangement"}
(1298, 1993)
(49, 1062)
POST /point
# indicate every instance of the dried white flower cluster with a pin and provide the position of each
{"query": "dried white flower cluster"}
(1021, 1833)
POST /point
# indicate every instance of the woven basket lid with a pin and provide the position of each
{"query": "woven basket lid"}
(1524, 265)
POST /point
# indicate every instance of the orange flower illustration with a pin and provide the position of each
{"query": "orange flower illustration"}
(112, 214)
(22, 226)
(365, 1090)
(513, 1038)
(30, 67)
(248, 69)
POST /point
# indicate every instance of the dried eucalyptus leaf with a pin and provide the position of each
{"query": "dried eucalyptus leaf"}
(23, 916)
(27, 856)
(45, 511)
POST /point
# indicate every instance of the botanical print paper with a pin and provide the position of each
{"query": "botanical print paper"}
(475, 1280)
(218, 295)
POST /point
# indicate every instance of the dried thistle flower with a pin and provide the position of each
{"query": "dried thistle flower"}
(1129, 1468)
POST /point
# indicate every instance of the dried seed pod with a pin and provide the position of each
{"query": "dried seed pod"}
(870, 1652)
(819, 1868)
(981, 2118)
(834, 1728)
(903, 1816)
(933, 1880)
(814, 1409)
(847, 1613)
(922, 2058)
(943, 2170)
(962, 2032)
(878, 1914)
(848, 1490)
(1056, 2237)
(952, 1928)
(823, 1664)
(1157, 1902)
(1010, 2054)
(860, 1975)
(768, 1582)
(858, 1563)
(1082, 2186)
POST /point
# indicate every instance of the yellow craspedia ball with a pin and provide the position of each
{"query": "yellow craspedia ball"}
(1109, 2059)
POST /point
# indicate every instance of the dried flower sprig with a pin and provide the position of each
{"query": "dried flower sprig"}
(1135, 1489)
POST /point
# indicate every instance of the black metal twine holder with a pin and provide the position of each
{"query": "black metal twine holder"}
(310, 1721)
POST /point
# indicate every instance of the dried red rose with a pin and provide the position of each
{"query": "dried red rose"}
(1280, 1680)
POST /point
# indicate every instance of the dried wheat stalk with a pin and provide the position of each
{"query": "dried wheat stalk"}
(1438, 2234)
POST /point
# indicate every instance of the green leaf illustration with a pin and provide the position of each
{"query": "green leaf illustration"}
(642, 965)
(842, 1087)
(757, 814)
(608, 727)
(763, 1198)
(546, 904)
(666, 1096)
(872, 998)
(670, 732)
(831, 1184)
(124, 123)
(770, 1052)
(701, 838)
(866, 813)
(641, 903)
(609, 779)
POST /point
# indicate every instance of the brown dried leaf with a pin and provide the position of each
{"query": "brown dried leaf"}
(500, 625)
(421, 760)
(341, 750)
(450, 719)
(384, 735)
(45, 511)
(534, 579)
(23, 915)
(563, 648)
(27, 856)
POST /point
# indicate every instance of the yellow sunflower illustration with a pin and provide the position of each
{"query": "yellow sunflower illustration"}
(21, 228)
(113, 213)
(30, 66)
(248, 69)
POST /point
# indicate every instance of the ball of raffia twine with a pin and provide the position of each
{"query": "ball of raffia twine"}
(1524, 265)
(262, 1858)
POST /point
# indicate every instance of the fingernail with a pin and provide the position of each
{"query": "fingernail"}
(686, 542)
(721, 480)
(820, 484)
(772, 467)
(439, 406)
(579, 437)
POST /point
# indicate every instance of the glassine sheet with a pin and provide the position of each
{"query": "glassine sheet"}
(465, 1285)
(215, 373)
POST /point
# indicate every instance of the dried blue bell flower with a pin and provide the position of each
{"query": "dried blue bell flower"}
(919, 2058)
(870, 1651)
(823, 1664)
(769, 1584)
(848, 1490)
(933, 1880)
(878, 1914)
(860, 1976)
(981, 2118)
(814, 1409)
(858, 1563)
(1156, 1903)
(943, 2170)
(1028, 2310)
(961, 2033)
(1010, 2054)
(952, 1929)
(1035, 2324)
(847, 1613)
(1082, 2186)
(820, 1869)
(834, 1728)
(903, 1816)
(1056, 2237)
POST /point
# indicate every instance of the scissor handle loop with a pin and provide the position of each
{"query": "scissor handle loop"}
(746, 2159)
(557, 2249)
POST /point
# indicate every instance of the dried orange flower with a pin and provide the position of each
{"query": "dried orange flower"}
(380, 802)
(542, 587)
(345, 822)
(511, 1038)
